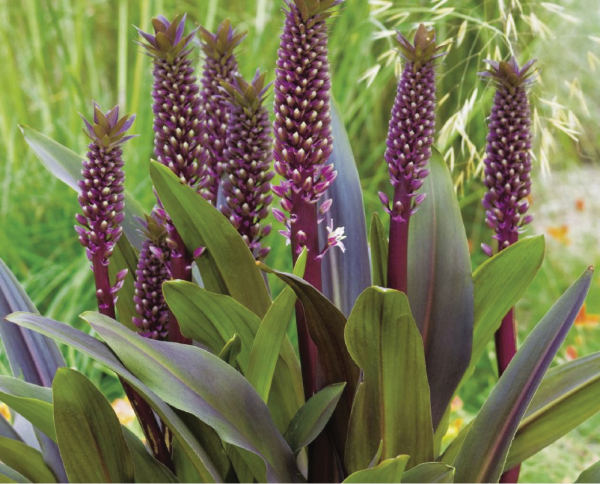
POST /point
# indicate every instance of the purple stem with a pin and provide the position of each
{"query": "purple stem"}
(181, 263)
(306, 222)
(398, 251)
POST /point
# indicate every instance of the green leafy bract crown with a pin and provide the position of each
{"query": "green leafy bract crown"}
(168, 41)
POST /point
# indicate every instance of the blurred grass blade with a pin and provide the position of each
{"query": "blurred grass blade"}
(222, 398)
(212, 319)
(90, 346)
(379, 251)
(32, 402)
(312, 417)
(429, 472)
(484, 451)
(393, 403)
(345, 275)
(590, 475)
(146, 468)
(26, 460)
(89, 433)
(440, 264)
(390, 470)
(271, 335)
(227, 266)
(326, 327)
(65, 165)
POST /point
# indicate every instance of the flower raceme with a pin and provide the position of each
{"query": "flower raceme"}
(152, 271)
(508, 161)
(220, 65)
(247, 187)
(410, 136)
(302, 127)
(102, 197)
(178, 140)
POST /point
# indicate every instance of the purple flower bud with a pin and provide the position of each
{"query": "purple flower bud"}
(508, 160)
(220, 65)
(247, 160)
(176, 106)
(101, 196)
(152, 271)
(412, 123)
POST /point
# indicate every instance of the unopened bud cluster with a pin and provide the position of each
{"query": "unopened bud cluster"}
(247, 186)
(508, 158)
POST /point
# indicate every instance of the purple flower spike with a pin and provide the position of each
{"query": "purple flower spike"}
(176, 107)
(102, 196)
(508, 161)
(412, 123)
(247, 188)
(220, 65)
(410, 136)
(303, 138)
(152, 271)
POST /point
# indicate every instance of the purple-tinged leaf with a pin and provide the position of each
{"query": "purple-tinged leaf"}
(66, 165)
(326, 327)
(32, 357)
(26, 460)
(429, 472)
(484, 451)
(221, 398)
(440, 285)
(90, 346)
(345, 274)
(7, 430)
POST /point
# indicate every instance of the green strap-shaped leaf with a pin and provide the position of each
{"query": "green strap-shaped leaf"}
(199, 456)
(499, 284)
(10, 475)
(212, 318)
(146, 468)
(65, 165)
(326, 327)
(227, 266)
(590, 475)
(222, 398)
(440, 285)
(379, 251)
(32, 402)
(567, 397)
(231, 350)
(26, 460)
(390, 470)
(429, 472)
(484, 451)
(271, 335)
(311, 419)
(125, 257)
(89, 434)
(392, 404)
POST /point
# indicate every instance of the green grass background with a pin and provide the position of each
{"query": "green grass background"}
(58, 55)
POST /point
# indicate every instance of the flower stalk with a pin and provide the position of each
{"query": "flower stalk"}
(178, 138)
(303, 143)
(247, 187)
(220, 66)
(410, 136)
(508, 182)
(102, 203)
